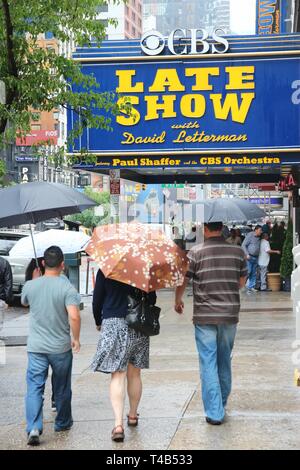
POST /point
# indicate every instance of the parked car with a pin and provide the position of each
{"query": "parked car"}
(8, 238)
(54, 223)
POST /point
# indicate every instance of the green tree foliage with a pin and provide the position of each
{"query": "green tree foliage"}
(2, 172)
(286, 266)
(35, 78)
(87, 217)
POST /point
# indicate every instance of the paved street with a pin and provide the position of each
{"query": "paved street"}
(263, 412)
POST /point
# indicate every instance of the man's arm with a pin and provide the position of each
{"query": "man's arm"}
(75, 324)
(270, 252)
(24, 299)
(179, 304)
(243, 281)
(245, 245)
(243, 272)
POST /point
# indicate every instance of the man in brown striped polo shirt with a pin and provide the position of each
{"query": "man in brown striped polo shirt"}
(218, 271)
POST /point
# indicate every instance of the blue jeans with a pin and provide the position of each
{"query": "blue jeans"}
(215, 344)
(37, 373)
(252, 264)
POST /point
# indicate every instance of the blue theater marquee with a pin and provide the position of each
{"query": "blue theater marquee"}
(237, 106)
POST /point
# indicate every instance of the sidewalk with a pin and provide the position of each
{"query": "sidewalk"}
(263, 411)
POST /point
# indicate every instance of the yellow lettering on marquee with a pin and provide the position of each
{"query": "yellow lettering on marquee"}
(154, 139)
(134, 116)
(193, 106)
(202, 76)
(238, 112)
(125, 82)
(153, 106)
(166, 78)
(238, 76)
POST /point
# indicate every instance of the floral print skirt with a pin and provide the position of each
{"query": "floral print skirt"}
(120, 345)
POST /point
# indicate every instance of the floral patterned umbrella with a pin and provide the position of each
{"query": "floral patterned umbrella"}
(138, 255)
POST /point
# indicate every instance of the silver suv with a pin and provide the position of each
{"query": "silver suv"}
(8, 238)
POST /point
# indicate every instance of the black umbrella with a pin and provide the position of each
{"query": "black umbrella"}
(231, 210)
(29, 203)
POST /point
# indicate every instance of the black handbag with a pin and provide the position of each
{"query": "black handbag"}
(141, 316)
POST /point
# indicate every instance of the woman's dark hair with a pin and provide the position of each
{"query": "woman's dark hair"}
(53, 257)
(31, 267)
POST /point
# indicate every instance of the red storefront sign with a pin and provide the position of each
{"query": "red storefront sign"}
(38, 137)
(287, 183)
(263, 186)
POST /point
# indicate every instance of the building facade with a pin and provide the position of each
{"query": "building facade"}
(295, 9)
(167, 15)
(219, 14)
(129, 19)
(33, 161)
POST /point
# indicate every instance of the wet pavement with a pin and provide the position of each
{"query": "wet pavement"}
(263, 410)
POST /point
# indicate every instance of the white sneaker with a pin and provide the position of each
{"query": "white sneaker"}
(34, 438)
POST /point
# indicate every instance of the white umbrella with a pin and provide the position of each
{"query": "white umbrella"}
(69, 242)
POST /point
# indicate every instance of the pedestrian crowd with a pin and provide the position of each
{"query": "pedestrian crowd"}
(218, 268)
(257, 248)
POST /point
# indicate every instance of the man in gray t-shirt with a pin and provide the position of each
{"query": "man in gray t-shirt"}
(54, 310)
(251, 246)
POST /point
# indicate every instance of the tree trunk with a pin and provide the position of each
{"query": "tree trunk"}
(12, 69)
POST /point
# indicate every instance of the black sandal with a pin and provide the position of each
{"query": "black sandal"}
(118, 436)
(133, 420)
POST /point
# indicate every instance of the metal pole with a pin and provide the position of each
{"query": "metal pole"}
(34, 249)
(45, 165)
(87, 276)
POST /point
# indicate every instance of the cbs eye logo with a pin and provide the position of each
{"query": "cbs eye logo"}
(152, 43)
(188, 42)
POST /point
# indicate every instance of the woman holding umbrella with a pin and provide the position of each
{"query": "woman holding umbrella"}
(130, 256)
(122, 351)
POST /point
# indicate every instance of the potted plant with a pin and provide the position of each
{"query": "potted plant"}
(286, 267)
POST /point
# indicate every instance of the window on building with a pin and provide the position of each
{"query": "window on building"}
(126, 25)
(35, 127)
(133, 30)
(36, 116)
(126, 11)
(55, 115)
(56, 127)
(104, 23)
(133, 16)
(102, 8)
